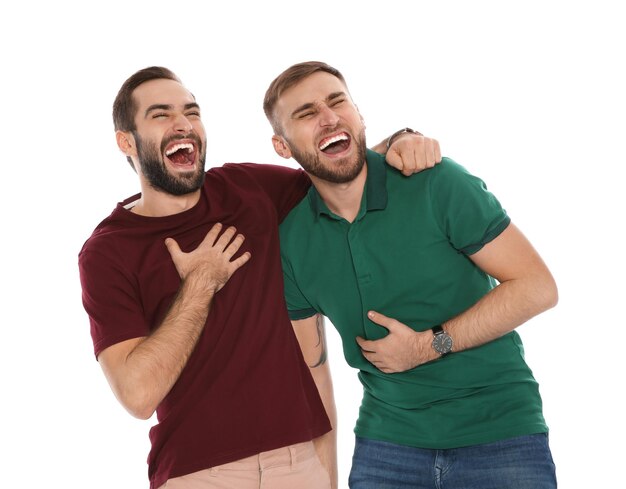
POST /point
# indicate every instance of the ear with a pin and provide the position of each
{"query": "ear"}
(126, 143)
(281, 146)
(360, 116)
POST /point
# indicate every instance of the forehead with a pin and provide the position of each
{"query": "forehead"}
(161, 92)
(311, 90)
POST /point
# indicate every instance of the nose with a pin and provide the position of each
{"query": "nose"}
(182, 124)
(328, 116)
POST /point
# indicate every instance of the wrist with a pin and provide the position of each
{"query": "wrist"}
(424, 352)
(442, 342)
(398, 134)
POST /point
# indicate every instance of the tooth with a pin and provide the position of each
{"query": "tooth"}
(334, 139)
(176, 147)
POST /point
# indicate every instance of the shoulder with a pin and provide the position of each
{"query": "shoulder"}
(449, 173)
(296, 229)
(104, 239)
(252, 170)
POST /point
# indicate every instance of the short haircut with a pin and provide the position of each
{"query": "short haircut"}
(287, 79)
(125, 107)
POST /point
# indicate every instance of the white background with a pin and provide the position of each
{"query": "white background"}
(527, 95)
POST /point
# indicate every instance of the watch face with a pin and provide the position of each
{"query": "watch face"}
(442, 343)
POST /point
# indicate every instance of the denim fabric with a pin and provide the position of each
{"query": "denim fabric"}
(524, 462)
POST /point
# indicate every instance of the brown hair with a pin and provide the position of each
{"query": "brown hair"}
(287, 79)
(125, 107)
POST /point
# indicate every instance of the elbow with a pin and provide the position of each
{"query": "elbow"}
(549, 296)
(141, 412)
(137, 404)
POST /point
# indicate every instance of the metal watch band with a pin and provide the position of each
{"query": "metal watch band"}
(401, 131)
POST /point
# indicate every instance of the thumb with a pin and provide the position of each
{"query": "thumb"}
(394, 160)
(365, 345)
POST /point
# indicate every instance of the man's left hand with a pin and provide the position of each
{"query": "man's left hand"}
(402, 349)
(411, 153)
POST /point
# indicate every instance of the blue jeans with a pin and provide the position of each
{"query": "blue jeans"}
(524, 462)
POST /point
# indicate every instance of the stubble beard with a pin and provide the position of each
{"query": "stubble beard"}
(343, 170)
(154, 169)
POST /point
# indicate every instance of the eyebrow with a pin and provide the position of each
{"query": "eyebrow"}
(192, 105)
(310, 105)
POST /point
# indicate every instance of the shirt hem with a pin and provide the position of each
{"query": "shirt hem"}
(464, 441)
(159, 479)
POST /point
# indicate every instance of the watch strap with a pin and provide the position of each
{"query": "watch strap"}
(391, 138)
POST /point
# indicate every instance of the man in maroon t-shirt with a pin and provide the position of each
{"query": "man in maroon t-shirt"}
(224, 371)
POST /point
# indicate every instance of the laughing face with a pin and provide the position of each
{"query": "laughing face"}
(170, 143)
(321, 129)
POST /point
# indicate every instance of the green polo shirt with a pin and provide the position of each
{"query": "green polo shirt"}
(406, 256)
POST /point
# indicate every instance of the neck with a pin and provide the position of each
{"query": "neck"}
(155, 203)
(343, 199)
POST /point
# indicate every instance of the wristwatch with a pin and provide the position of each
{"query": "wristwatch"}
(442, 341)
(392, 138)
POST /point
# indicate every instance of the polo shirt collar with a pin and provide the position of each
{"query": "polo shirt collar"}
(375, 195)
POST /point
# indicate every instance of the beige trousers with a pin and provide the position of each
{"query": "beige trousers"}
(293, 467)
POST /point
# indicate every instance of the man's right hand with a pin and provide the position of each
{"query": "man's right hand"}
(211, 262)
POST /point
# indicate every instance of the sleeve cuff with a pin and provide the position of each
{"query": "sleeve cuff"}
(302, 314)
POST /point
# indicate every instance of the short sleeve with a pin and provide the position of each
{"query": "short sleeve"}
(297, 304)
(284, 186)
(466, 211)
(111, 301)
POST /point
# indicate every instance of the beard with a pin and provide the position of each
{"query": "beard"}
(343, 170)
(154, 169)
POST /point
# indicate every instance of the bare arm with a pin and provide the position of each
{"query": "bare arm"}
(410, 152)
(141, 371)
(526, 289)
(312, 338)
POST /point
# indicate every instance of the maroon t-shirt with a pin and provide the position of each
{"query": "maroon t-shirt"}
(245, 388)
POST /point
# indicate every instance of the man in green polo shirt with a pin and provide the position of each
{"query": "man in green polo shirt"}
(426, 279)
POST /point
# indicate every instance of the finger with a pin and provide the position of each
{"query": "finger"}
(372, 358)
(393, 159)
(381, 319)
(365, 345)
(437, 151)
(429, 153)
(240, 261)
(417, 161)
(225, 238)
(212, 235)
(172, 247)
(234, 245)
(408, 163)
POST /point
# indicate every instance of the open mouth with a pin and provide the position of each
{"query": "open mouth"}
(335, 144)
(181, 154)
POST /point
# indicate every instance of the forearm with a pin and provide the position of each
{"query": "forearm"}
(326, 445)
(503, 309)
(311, 336)
(380, 148)
(526, 289)
(153, 366)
